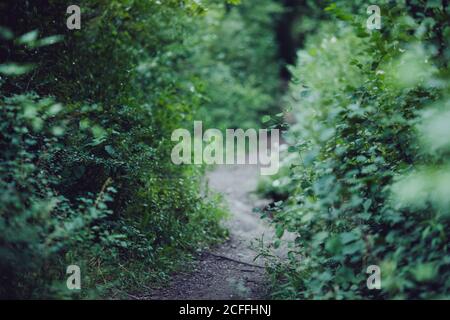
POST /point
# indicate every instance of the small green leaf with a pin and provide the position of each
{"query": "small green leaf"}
(279, 231)
(5, 33)
(57, 131)
(14, 69)
(28, 37)
(55, 109)
(110, 150)
(265, 119)
(49, 41)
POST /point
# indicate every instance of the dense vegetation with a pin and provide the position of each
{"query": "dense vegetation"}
(366, 179)
(241, 65)
(86, 120)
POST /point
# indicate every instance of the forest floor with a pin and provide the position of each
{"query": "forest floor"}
(230, 270)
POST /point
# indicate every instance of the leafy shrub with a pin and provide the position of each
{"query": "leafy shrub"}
(86, 176)
(370, 182)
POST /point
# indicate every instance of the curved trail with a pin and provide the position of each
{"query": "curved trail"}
(228, 271)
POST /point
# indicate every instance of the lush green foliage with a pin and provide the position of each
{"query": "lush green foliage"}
(368, 179)
(238, 56)
(86, 120)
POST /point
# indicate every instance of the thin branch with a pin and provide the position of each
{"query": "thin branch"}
(234, 260)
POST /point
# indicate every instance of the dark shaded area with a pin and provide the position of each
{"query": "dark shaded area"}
(287, 42)
(300, 17)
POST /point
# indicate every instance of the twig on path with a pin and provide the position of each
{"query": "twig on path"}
(234, 260)
(246, 270)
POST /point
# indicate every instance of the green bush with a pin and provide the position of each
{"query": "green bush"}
(86, 120)
(370, 182)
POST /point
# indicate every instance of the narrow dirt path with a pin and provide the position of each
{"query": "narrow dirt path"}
(228, 271)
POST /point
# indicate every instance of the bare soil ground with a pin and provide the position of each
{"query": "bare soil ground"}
(228, 271)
